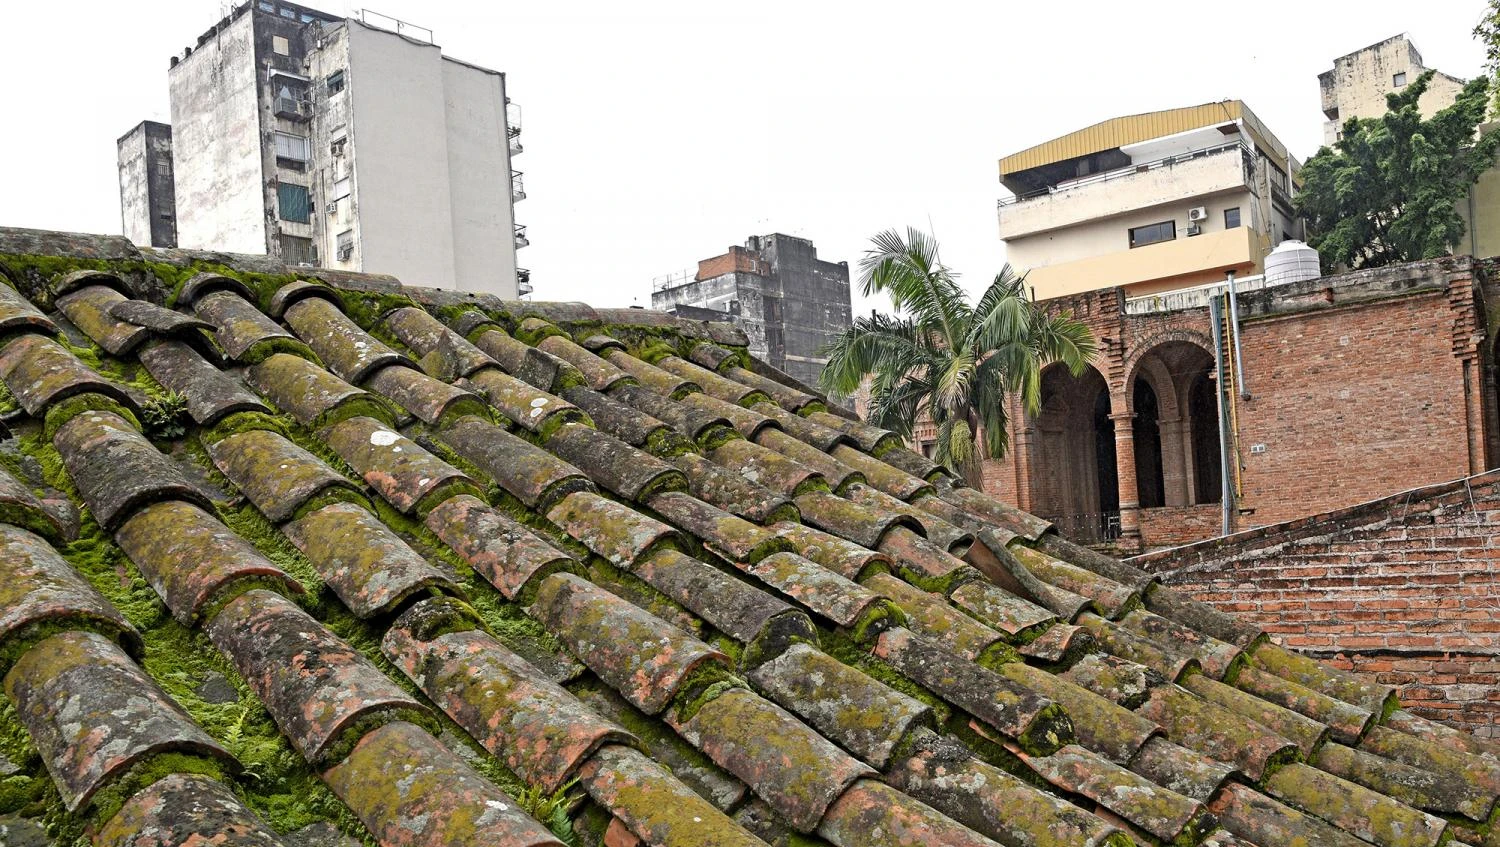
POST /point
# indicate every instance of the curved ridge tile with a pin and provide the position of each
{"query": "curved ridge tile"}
(40, 372)
(522, 403)
(430, 400)
(185, 809)
(873, 813)
(745, 613)
(276, 475)
(17, 314)
(20, 507)
(411, 791)
(654, 805)
(617, 532)
(839, 475)
(92, 713)
(732, 492)
(366, 564)
(314, 685)
(116, 470)
(767, 467)
(201, 284)
(1161, 812)
(847, 519)
(445, 354)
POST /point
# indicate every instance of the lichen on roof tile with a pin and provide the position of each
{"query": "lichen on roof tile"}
(502, 550)
(614, 465)
(654, 805)
(278, 476)
(618, 533)
(211, 394)
(532, 475)
(366, 564)
(395, 466)
(241, 328)
(88, 308)
(116, 470)
(38, 587)
(41, 372)
(183, 809)
(348, 351)
(311, 394)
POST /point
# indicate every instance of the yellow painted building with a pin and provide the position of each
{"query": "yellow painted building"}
(1151, 202)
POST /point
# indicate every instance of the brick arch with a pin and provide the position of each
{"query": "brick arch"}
(1132, 361)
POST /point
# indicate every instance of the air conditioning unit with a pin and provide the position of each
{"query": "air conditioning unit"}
(345, 253)
(1193, 230)
(1198, 214)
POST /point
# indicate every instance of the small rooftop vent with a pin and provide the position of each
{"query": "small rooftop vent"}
(1292, 261)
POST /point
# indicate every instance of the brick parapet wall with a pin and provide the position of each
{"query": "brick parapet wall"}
(1406, 588)
(1174, 525)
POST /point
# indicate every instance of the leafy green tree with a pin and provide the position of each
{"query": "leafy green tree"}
(947, 358)
(1488, 33)
(1388, 191)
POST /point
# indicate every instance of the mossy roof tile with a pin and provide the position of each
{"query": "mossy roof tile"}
(240, 327)
(183, 809)
(88, 308)
(41, 372)
(116, 470)
(276, 475)
(211, 394)
(37, 585)
(366, 564)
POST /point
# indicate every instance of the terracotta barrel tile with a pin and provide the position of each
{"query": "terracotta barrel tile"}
(1214, 731)
(641, 656)
(891, 481)
(241, 328)
(1166, 660)
(627, 423)
(1177, 606)
(1061, 644)
(314, 685)
(847, 604)
(865, 717)
(919, 466)
(1403, 721)
(527, 406)
(38, 585)
(610, 529)
(942, 772)
(731, 537)
(806, 431)
(1012, 709)
(92, 713)
(116, 470)
(1304, 731)
(21, 507)
(871, 439)
(1261, 820)
(1355, 809)
(1444, 758)
(395, 466)
(924, 562)
(202, 284)
(1223, 838)
(1111, 731)
(766, 467)
(615, 466)
(600, 375)
(938, 532)
(1184, 771)
(691, 422)
(712, 384)
(1363, 692)
(1348, 723)
(184, 809)
(1420, 787)
(1117, 680)
(993, 606)
(861, 524)
(929, 615)
(1110, 568)
(838, 474)
(188, 555)
(711, 356)
(987, 509)
(40, 372)
(348, 351)
(536, 727)
(295, 292)
(1162, 813)
(843, 557)
(411, 791)
(497, 546)
(798, 772)
(311, 394)
(873, 813)
(654, 805)
(1112, 598)
(746, 422)
(367, 565)
(275, 474)
(743, 612)
(210, 393)
(430, 400)
(498, 344)
(662, 382)
(1215, 657)
(534, 476)
(546, 371)
(159, 320)
(787, 397)
(88, 308)
(445, 354)
(732, 492)
(18, 315)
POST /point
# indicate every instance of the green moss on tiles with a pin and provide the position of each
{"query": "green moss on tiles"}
(65, 410)
(108, 800)
(9, 405)
(268, 347)
(369, 309)
(877, 618)
(533, 331)
(239, 422)
(843, 647)
(714, 437)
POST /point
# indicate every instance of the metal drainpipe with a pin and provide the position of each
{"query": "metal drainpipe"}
(1216, 309)
(1234, 333)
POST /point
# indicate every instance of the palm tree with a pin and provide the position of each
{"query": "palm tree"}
(955, 361)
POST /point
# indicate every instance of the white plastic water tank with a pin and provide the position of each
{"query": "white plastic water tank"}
(1292, 261)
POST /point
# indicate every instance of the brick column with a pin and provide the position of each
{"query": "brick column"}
(1174, 475)
(1130, 504)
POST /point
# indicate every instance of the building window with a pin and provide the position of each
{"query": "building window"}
(340, 188)
(345, 245)
(296, 250)
(1153, 233)
(1399, 79)
(928, 447)
(294, 202)
(336, 146)
(1232, 217)
(335, 82)
(164, 167)
(289, 13)
(267, 7)
(280, 46)
(291, 148)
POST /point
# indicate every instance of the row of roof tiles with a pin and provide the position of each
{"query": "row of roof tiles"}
(776, 622)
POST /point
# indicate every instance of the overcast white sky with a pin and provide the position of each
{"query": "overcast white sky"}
(659, 133)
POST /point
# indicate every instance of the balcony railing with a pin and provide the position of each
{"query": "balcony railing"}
(521, 239)
(290, 107)
(523, 282)
(517, 186)
(1118, 173)
(512, 118)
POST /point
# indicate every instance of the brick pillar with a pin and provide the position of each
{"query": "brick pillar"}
(1130, 503)
(1174, 475)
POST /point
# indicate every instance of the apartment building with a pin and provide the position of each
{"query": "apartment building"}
(148, 209)
(1150, 202)
(346, 143)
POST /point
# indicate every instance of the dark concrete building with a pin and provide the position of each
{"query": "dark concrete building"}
(148, 211)
(788, 301)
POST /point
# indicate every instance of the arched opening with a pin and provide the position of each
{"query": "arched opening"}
(1203, 405)
(1149, 485)
(1074, 483)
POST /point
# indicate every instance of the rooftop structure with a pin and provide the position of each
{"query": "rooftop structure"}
(1150, 202)
(447, 552)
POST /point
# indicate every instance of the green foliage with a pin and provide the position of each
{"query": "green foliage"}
(1388, 191)
(954, 361)
(551, 809)
(1488, 33)
(165, 417)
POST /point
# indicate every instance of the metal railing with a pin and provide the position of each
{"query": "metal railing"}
(1190, 298)
(521, 239)
(390, 24)
(674, 279)
(523, 282)
(1130, 170)
(1089, 527)
(512, 118)
(517, 186)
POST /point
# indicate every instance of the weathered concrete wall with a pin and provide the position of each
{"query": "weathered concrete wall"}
(148, 214)
(815, 303)
(482, 218)
(1406, 588)
(217, 138)
(1358, 83)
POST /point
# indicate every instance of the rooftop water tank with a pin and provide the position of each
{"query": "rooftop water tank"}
(1292, 261)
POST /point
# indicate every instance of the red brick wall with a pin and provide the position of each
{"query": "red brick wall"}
(1406, 588)
(737, 259)
(1174, 525)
